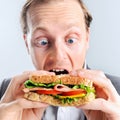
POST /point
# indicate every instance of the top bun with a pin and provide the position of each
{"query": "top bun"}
(64, 79)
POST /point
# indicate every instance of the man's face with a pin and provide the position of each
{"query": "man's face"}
(57, 36)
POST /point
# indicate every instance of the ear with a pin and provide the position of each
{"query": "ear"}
(26, 43)
(88, 37)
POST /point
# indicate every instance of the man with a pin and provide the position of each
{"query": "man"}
(56, 34)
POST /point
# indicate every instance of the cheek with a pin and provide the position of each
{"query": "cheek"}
(37, 58)
(80, 49)
(79, 55)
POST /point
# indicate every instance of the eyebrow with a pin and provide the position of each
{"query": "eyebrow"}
(70, 25)
(66, 27)
(39, 28)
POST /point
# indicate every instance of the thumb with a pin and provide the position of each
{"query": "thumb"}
(101, 104)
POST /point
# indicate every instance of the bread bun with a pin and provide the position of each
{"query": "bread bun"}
(57, 102)
(65, 79)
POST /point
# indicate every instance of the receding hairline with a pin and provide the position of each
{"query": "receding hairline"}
(32, 3)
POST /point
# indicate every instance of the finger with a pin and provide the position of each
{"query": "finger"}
(25, 76)
(15, 87)
(21, 104)
(100, 80)
(95, 76)
(103, 105)
(42, 72)
(20, 79)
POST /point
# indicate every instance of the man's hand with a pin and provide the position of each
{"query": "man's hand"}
(14, 107)
(106, 106)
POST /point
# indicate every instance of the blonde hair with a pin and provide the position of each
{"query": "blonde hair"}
(29, 3)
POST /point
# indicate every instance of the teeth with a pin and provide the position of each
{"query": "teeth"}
(58, 70)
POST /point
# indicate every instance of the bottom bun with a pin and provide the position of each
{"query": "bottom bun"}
(58, 102)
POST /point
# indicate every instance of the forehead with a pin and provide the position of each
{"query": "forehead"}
(60, 11)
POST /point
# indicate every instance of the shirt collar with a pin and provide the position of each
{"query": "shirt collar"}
(85, 65)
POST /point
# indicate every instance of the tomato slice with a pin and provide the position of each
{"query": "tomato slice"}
(74, 92)
(48, 92)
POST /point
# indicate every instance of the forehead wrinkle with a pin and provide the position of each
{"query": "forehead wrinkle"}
(53, 14)
(53, 10)
(46, 27)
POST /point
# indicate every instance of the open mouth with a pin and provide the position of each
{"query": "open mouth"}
(59, 72)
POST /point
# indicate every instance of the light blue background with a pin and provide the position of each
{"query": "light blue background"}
(104, 51)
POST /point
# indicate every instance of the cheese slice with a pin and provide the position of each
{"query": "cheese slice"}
(72, 96)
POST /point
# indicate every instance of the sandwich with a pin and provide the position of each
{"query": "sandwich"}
(59, 90)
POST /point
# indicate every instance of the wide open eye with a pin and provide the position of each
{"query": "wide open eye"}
(42, 42)
(71, 40)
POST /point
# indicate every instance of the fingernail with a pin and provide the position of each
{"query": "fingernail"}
(81, 73)
(51, 73)
(73, 73)
(27, 72)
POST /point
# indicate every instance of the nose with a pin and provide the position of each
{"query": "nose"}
(58, 52)
(57, 55)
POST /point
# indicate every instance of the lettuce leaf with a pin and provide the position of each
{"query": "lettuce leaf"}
(31, 84)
